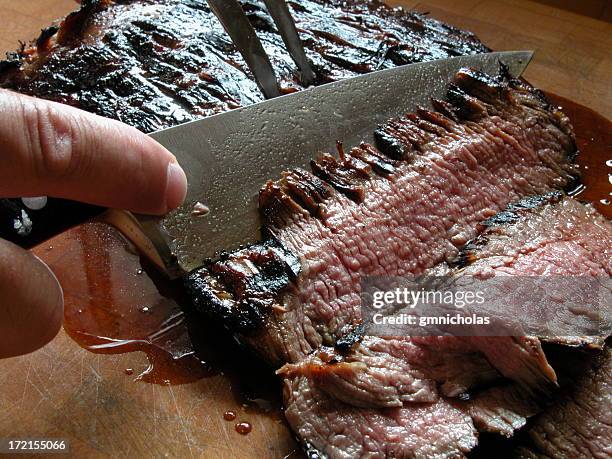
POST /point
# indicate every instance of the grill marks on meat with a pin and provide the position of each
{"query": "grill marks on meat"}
(402, 207)
(154, 64)
(411, 219)
(255, 276)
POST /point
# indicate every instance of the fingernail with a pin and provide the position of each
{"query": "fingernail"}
(176, 186)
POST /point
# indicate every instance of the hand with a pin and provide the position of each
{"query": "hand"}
(49, 149)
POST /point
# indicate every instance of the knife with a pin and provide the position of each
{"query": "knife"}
(228, 157)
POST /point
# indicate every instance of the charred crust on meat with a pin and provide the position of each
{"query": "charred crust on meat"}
(349, 338)
(43, 42)
(445, 108)
(467, 107)
(381, 164)
(389, 144)
(240, 288)
(73, 26)
(297, 191)
(481, 85)
(345, 176)
(513, 212)
(98, 57)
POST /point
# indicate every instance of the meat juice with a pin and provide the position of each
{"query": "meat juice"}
(594, 139)
(116, 302)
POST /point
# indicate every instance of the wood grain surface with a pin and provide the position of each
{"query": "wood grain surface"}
(65, 391)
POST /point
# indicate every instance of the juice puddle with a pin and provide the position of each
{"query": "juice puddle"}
(115, 302)
(594, 139)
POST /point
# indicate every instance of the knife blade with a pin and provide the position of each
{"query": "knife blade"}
(228, 157)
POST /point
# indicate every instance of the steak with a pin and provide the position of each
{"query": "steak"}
(157, 63)
(399, 209)
(153, 64)
(403, 207)
(331, 396)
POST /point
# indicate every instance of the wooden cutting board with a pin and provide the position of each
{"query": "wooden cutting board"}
(95, 400)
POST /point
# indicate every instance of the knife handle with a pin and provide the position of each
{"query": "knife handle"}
(27, 227)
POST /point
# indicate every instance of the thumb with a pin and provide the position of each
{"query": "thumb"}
(31, 302)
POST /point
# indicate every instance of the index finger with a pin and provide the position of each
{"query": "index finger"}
(56, 150)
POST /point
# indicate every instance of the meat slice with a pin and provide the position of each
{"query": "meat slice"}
(390, 371)
(407, 373)
(331, 428)
(401, 207)
(542, 235)
(495, 140)
(580, 423)
(551, 236)
(157, 63)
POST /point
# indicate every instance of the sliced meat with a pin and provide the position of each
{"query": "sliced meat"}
(401, 207)
(387, 372)
(331, 428)
(543, 235)
(502, 409)
(347, 221)
(157, 63)
(396, 372)
(580, 423)
(566, 246)
(404, 373)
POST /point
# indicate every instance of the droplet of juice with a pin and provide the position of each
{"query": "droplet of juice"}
(243, 428)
